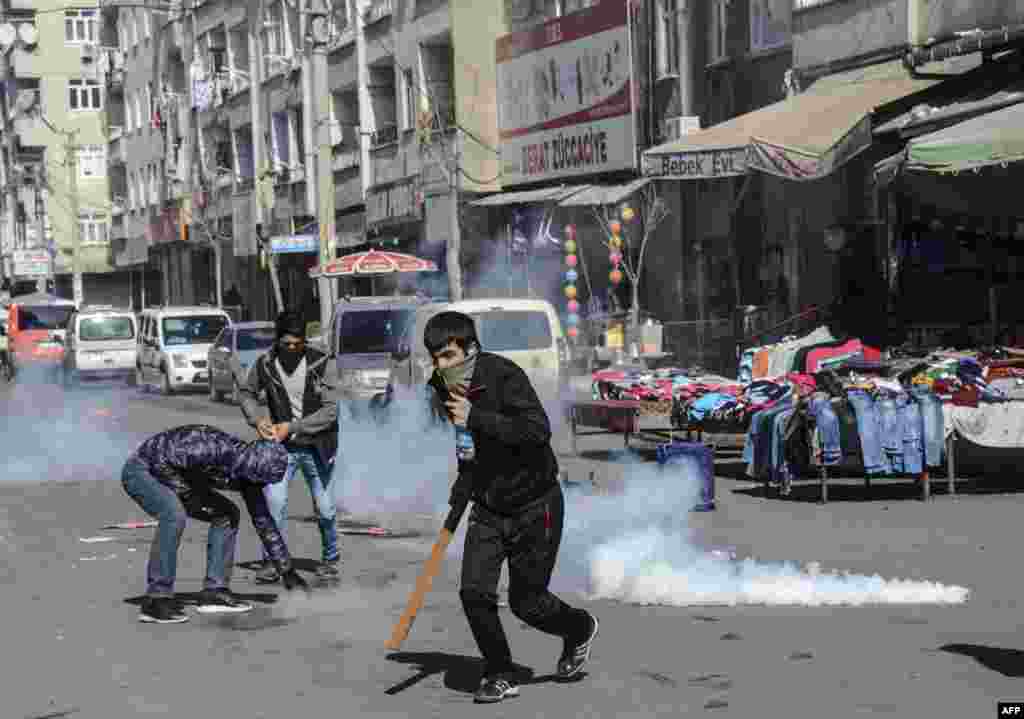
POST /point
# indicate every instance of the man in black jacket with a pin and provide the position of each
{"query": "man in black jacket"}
(510, 473)
(292, 375)
(179, 473)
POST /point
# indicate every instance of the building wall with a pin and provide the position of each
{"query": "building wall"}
(846, 29)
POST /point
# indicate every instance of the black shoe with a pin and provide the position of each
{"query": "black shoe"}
(267, 575)
(162, 610)
(221, 602)
(495, 689)
(329, 571)
(576, 654)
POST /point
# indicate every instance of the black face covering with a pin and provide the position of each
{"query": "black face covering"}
(290, 359)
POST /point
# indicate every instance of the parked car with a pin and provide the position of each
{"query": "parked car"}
(246, 341)
(174, 343)
(35, 330)
(100, 343)
(366, 333)
(525, 331)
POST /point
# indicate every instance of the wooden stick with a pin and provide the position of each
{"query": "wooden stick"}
(426, 579)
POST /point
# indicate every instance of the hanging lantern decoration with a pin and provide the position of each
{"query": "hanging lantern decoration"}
(627, 214)
(571, 276)
(570, 291)
(573, 332)
(616, 258)
(615, 243)
(573, 320)
(573, 306)
(571, 260)
(570, 234)
(570, 246)
(616, 227)
(615, 276)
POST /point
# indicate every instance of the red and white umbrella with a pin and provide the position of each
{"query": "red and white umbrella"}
(373, 262)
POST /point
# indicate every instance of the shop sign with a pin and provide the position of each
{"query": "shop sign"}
(389, 205)
(567, 96)
(697, 165)
(31, 263)
(286, 244)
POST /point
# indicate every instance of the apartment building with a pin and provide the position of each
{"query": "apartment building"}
(55, 150)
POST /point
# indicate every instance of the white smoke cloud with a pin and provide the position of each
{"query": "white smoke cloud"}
(637, 547)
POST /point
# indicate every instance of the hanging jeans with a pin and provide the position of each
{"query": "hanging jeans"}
(779, 469)
(913, 437)
(869, 429)
(890, 416)
(934, 426)
(828, 430)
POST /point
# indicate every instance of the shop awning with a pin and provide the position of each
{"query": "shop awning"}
(804, 137)
(529, 197)
(604, 194)
(993, 139)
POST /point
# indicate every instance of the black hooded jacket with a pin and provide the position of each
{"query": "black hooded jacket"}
(514, 464)
(193, 459)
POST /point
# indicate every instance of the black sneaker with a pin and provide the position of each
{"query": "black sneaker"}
(221, 602)
(328, 571)
(268, 574)
(162, 610)
(575, 655)
(495, 689)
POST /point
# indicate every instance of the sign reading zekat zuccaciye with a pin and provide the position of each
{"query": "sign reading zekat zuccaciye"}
(565, 89)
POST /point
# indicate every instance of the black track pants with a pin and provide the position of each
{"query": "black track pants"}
(529, 541)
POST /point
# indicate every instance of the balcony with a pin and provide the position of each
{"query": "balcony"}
(377, 10)
(346, 158)
(117, 152)
(384, 135)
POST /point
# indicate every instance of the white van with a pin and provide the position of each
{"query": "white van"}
(526, 331)
(100, 343)
(173, 346)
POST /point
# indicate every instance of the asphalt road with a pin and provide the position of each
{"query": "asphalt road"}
(71, 645)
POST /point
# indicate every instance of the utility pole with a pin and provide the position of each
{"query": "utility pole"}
(318, 32)
(453, 249)
(189, 145)
(71, 157)
(41, 228)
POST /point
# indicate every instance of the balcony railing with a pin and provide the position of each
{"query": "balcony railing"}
(384, 135)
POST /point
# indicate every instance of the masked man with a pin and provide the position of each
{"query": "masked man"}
(179, 473)
(292, 375)
(509, 471)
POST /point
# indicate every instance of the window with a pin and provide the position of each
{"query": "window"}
(508, 331)
(85, 95)
(137, 108)
(147, 30)
(409, 90)
(92, 162)
(372, 331)
(770, 24)
(193, 330)
(255, 339)
(79, 26)
(667, 37)
(92, 228)
(131, 191)
(718, 27)
(106, 328)
(44, 317)
(146, 119)
(281, 141)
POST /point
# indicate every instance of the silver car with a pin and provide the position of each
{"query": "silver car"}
(245, 340)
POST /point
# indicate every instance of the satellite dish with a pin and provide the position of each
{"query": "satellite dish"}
(28, 33)
(7, 34)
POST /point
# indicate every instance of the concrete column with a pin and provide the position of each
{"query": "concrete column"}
(688, 60)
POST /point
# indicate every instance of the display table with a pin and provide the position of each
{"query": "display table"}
(997, 427)
(625, 417)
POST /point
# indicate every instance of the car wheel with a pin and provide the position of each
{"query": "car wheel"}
(165, 384)
(215, 395)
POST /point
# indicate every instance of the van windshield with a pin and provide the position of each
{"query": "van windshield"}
(513, 330)
(372, 331)
(43, 317)
(106, 328)
(197, 330)
(258, 339)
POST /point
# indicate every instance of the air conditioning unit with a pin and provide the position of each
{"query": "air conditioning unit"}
(677, 127)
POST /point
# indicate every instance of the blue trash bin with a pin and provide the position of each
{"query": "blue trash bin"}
(676, 453)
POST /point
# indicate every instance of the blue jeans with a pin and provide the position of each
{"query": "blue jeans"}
(913, 438)
(163, 504)
(934, 426)
(828, 430)
(869, 429)
(890, 415)
(779, 468)
(318, 478)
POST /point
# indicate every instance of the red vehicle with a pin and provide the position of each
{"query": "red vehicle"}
(35, 327)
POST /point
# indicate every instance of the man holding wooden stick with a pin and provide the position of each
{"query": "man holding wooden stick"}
(509, 471)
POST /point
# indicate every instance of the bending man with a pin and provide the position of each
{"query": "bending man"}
(179, 473)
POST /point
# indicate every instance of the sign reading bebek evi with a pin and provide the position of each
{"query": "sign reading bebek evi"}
(566, 96)
(696, 165)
